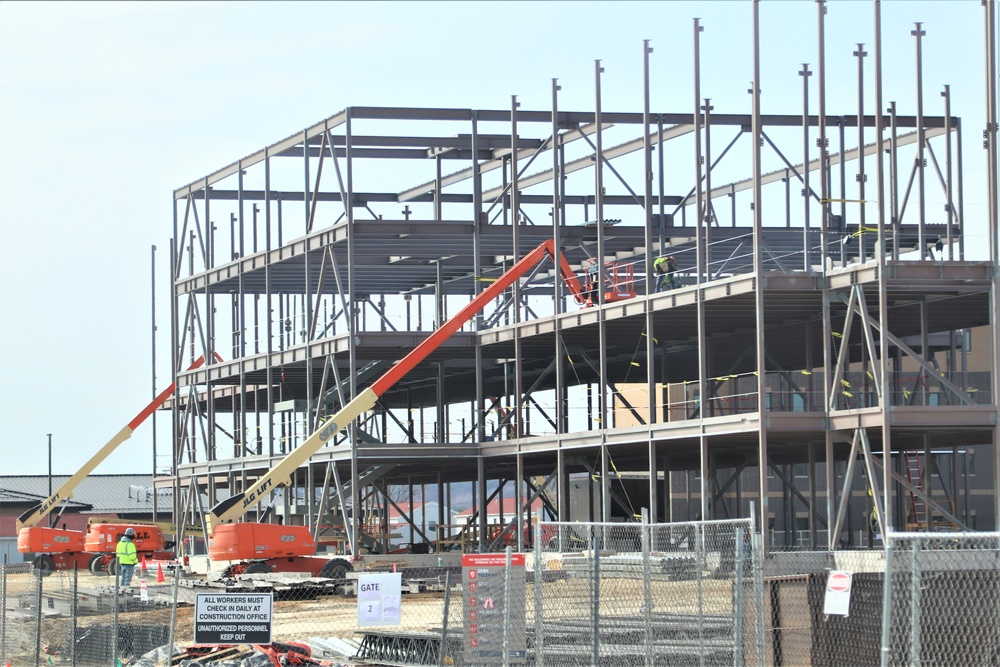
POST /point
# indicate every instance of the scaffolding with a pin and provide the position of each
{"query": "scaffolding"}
(817, 324)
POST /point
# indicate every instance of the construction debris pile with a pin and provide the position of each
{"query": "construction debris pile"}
(328, 652)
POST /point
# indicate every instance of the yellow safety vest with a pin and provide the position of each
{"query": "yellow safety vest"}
(126, 552)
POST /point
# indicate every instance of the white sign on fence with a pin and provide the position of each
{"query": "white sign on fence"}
(379, 598)
(233, 618)
(838, 594)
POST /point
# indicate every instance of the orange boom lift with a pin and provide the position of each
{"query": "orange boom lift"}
(64, 549)
(283, 548)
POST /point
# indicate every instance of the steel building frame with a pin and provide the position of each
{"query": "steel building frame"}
(803, 324)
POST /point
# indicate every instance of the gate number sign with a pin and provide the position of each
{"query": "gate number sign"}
(233, 618)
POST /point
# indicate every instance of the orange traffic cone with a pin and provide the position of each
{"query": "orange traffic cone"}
(159, 574)
(143, 568)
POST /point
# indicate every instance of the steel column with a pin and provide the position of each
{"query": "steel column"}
(805, 73)
(894, 178)
(558, 287)
(352, 329)
(515, 219)
(949, 203)
(990, 143)
(824, 181)
(702, 270)
(700, 249)
(921, 141)
(269, 347)
(758, 269)
(602, 325)
(152, 305)
(477, 207)
(885, 386)
(652, 386)
(860, 53)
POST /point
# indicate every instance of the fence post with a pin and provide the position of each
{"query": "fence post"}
(539, 580)
(915, 606)
(647, 594)
(3, 608)
(38, 618)
(114, 621)
(173, 613)
(738, 602)
(506, 608)
(74, 612)
(887, 600)
(596, 602)
(444, 621)
(699, 536)
(758, 583)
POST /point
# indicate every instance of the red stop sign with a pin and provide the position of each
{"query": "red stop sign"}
(839, 582)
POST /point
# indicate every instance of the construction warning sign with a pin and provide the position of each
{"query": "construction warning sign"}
(837, 601)
(494, 608)
(233, 618)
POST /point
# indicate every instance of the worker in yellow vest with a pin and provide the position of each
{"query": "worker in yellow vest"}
(666, 268)
(127, 556)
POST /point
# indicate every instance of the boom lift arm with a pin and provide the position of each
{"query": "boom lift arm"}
(34, 515)
(237, 505)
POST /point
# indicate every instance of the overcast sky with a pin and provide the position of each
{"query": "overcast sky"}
(105, 108)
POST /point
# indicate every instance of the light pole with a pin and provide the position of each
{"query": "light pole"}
(50, 474)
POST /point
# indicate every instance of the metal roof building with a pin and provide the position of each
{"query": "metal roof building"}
(117, 494)
(122, 496)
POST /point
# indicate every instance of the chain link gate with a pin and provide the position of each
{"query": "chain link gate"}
(644, 594)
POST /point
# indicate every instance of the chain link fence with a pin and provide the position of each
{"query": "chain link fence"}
(942, 596)
(608, 594)
(71, 617)
(799, 628)
(640, 594)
